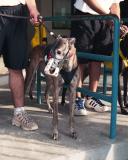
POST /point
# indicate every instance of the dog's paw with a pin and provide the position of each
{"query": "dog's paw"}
(124, 111)
(55, 136)
(50, 110)
(73, 135)
(62, 103)
(31, 96)
(126, 105)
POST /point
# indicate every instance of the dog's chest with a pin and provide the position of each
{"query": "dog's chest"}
(68, 76)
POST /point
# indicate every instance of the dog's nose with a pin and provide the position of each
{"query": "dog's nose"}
(52, 70)
(58, 52)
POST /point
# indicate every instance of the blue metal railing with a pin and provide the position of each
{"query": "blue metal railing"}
(114, 59)
(107, 70)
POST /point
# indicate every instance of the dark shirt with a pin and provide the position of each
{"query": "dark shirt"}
(124, 10)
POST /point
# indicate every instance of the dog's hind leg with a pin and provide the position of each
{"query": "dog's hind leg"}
(32, 87)
(30, 76)
(35, 59)
(40, 68)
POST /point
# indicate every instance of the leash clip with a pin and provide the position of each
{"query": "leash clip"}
(40, 18)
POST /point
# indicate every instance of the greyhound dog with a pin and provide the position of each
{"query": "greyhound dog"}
(58, 62)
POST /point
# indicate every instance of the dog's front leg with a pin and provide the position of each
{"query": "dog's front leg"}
(72, 97)
(56, 89)
(48, 89)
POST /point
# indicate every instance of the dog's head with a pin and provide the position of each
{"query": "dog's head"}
(60, 53)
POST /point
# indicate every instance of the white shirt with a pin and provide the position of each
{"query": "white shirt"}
(11, 2)
(106, 4)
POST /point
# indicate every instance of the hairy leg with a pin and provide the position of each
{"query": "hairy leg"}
(80, 82)
(94, 73)
(16, 84)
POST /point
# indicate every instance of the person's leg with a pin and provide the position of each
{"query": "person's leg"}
(94, 75)
(80, 83)
(80, 103)
(16, 84)
(14, 50)
(21, 118)
(102, 44)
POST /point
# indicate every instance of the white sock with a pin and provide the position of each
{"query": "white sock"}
(18, 110)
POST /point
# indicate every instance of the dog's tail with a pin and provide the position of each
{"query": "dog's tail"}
(36, 59)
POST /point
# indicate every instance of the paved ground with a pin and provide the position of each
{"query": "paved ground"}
(3, 70)
(93, 141)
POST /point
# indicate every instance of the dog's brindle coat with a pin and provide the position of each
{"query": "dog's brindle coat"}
(69, 65)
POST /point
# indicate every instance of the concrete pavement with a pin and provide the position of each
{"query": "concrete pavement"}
(93, 141)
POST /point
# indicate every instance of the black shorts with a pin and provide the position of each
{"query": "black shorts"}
(13, 37)
(93, 36)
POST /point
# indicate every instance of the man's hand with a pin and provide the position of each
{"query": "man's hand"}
(115, 9)
(34, 13)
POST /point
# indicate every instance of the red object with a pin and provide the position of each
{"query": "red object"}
(49, 55)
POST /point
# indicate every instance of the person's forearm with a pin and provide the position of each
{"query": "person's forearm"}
(31, 4)
(95, 6)
(115, 9)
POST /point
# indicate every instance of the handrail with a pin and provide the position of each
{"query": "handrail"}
(83, 17)
(92, 56)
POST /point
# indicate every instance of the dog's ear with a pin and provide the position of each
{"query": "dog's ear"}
(72, 40)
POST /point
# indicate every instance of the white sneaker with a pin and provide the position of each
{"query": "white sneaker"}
(96, 104)
(80, 109)
(24, 121)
